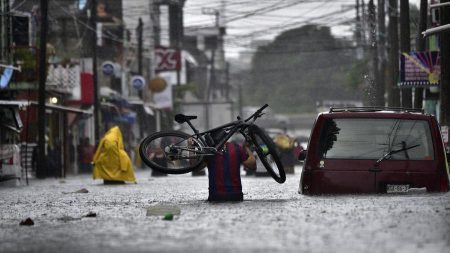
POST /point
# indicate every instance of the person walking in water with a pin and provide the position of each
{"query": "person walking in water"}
(224, 174)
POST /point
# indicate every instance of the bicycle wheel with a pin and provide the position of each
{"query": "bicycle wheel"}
(169, 152)
(265, 148)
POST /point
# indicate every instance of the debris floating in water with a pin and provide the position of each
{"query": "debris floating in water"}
(91, 215)
(168, 216)
(27, 222)
(162, 210)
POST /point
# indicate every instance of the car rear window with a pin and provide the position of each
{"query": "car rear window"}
(373, 138)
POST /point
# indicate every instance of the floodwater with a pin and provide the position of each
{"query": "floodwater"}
(273, 218)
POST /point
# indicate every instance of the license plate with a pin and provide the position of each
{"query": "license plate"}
(397, 188)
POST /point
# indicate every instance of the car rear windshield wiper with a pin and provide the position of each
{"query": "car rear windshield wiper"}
(388, 154)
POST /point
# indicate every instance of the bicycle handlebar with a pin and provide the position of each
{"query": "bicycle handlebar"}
(257, 114)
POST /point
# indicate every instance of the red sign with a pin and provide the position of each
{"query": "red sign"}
(167, 59)
(87, 88)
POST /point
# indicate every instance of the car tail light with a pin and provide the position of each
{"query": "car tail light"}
(444, 185)
(11, 161)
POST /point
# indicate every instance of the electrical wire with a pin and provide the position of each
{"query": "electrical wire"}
(231, 40)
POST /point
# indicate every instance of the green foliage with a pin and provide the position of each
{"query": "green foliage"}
(301, 67)
(181, 90)
(28, 60)
(355, 75)
(26, 57)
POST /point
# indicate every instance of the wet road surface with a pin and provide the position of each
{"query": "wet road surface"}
(273, 218)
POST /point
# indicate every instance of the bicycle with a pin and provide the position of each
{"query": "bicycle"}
(181, 153)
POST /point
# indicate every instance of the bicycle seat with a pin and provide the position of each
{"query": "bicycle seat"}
(181, 118)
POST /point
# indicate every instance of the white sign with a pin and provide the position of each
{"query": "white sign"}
(444, 132)
(138, 82)
(163, 99)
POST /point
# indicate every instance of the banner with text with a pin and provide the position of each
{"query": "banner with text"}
(419, 69)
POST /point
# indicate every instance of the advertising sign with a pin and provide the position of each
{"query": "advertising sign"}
(108, 68)
(420, 69)
(167, 59)
(163, 99)
(137, 82)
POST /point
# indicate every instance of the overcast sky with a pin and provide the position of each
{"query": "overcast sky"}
(248, 20)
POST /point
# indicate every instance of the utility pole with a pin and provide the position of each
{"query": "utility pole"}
(393, 91)
(227, 81)
(212, 76)
(94, 72)
(176, 30)
(364, 22)
(405, 47)
(421, 46)
(139, 52)
(378, 99)
(444, 42)
(41, 171)
(382, 49)
(139, 31)
(358, 25)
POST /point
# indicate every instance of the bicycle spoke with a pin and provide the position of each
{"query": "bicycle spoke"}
(169, 152)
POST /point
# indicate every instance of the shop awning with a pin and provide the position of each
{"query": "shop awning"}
(25, 103)
(63, 108)
(14, 103)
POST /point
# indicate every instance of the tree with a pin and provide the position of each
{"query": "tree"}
(301, 67)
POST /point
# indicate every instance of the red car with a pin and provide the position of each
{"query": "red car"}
(374, 150)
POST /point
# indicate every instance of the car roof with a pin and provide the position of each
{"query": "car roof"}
(376, 112)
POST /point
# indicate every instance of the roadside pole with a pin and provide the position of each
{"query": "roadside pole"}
(445, 65)
(405, 47)
(41, 171)
(94, 72)
(139, 31)
(378, 100)
(382, 50)
(393, 91)
(421, 46)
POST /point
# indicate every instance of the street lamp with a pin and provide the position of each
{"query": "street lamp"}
(437, 29)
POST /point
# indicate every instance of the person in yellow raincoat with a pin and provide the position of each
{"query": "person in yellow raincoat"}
(111, 162)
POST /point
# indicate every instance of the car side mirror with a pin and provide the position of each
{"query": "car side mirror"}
(302, 155)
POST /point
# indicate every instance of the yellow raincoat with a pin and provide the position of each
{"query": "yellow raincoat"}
(111, 162)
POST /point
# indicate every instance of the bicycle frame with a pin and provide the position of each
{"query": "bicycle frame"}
(233, 127)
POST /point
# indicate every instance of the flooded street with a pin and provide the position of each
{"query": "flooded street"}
(358, 92)
(272, 218)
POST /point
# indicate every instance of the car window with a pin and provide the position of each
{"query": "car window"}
(373, 138)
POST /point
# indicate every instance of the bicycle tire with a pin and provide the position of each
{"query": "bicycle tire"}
(269, 157)
(157, 145)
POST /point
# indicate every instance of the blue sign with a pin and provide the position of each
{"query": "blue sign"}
(108, 68)
(81, 4)
(138, 82)
(6, 77)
